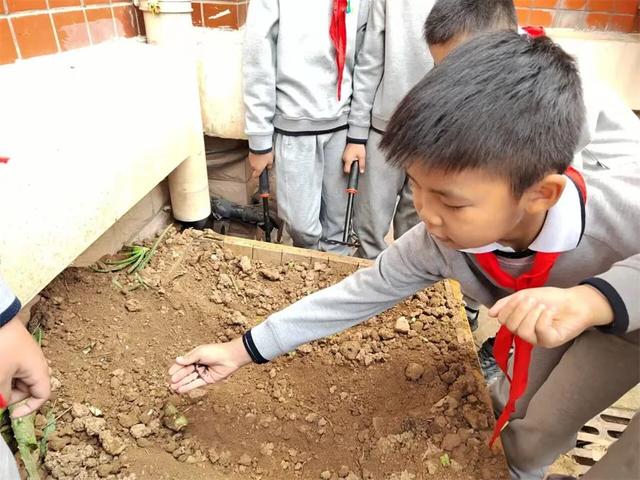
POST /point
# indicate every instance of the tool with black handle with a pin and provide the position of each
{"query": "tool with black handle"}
(264, 195)
(352, 191)
(349, 237)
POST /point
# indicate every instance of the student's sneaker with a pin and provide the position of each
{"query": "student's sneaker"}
(472, 318)
(490, 368)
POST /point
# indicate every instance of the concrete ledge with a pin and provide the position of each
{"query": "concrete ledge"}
(278, 254)
(89, 132)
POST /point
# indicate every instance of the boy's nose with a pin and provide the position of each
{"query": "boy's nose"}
(431, 219)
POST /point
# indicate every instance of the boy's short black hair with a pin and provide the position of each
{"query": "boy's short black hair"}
(450, 18)
(502, 103)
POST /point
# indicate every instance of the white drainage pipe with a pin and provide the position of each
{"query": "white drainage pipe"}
(168, 24)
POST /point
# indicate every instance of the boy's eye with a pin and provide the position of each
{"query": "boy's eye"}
(455, 207)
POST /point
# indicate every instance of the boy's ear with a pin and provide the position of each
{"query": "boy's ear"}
(545, 193)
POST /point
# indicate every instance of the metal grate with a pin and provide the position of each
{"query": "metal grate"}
(597, 435)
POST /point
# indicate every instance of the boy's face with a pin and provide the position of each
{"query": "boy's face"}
(469, 209)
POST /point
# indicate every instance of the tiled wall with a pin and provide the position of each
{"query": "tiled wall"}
(230, 13)
(29, 28)
(610, 15)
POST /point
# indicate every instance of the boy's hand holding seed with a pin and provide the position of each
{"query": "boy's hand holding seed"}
(549, 317)
(207, 364)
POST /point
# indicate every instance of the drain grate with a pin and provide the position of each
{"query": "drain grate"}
(597, 435)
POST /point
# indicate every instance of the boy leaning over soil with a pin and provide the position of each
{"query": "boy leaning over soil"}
(501, 211)
(24, 373)
(610, 135)
(298, 67)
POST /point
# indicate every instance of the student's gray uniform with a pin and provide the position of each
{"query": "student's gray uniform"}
(393, 59)
(606, 361)
(611, 134)
(292, 107)
(9, 307)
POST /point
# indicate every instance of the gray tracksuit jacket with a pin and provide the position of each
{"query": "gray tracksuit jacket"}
(611, 135)
(289, 68)
(607, 256)
(393, 59)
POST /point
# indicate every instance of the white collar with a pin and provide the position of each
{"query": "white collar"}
(562, 228)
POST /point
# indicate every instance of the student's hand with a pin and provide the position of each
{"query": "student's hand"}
(260, 161)
(207, 364)
(24, 373)
(550, 317)
(353, 152)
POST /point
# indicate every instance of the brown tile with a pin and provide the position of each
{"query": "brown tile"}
(522, 3)
(8, 52)
(600, 5)
(34, 34)
(96, 2)
(242, 14)
(597, 21)
(100, 24)
(72, 29)
(196, 14)
(574, 4)
(629, 7)
(621, 23)
(141, 26)
(23, 5)
(542, 18)
(217, 15)
(544, 3)
(126, 25)
(64, 3)
(523, 16)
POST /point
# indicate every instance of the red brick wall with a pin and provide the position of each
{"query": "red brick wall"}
(610, 15)
(29, 28)
(214, 14)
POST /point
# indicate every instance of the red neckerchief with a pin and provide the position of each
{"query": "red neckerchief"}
(534, 31)
(536, 277)
(338, 32)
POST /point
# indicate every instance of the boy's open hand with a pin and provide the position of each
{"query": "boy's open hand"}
(260, 161)
(207, 364)
(353, 152)
(550, 317)
(24, 373)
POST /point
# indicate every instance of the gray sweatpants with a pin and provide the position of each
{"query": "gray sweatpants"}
(311, 188)
(379, 189)
(567, 387)
(8, 468)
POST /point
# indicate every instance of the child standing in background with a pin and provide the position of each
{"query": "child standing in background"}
(393, 59)
(298, 65)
